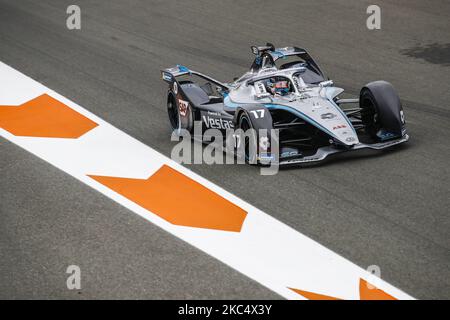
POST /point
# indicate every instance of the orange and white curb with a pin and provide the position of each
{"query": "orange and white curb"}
(179, 201)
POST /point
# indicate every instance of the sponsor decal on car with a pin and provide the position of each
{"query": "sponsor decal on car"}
(316, 105)
(385, 135)
(260, 88)
(289, 154)
(167, 76)
(328, 115)
(216, 122)
(339, 126)
(266, 157)
(212, 113)
(183, 106)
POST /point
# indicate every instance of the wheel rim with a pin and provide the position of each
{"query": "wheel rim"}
(244, 126)
(370, 116)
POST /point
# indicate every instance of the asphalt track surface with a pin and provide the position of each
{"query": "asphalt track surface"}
(389, 209)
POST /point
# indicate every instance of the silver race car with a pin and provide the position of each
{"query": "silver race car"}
(286, 90)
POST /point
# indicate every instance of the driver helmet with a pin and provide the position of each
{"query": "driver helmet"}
(280, 87)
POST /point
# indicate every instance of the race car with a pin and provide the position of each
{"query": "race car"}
(286, 92)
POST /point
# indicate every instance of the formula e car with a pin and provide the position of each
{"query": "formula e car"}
(286, 90)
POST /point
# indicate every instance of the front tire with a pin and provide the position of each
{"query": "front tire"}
(250, 147)
(382, 112)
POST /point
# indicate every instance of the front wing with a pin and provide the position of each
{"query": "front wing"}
(324, 152)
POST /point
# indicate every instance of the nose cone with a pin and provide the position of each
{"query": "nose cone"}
(330, 118)
(345, 134)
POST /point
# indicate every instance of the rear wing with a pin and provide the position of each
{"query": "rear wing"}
(169, 75)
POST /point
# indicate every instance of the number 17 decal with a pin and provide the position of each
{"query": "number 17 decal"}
(258, 113)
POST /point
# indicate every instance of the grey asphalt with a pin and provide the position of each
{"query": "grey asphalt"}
(389, 209)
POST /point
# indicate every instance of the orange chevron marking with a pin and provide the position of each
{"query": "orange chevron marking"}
(370, 292)
(367, 291)
(44, 117)
(312, 295)
(179, 200)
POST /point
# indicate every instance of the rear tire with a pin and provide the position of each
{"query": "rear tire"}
(173, 112)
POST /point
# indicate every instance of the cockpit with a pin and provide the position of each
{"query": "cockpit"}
(274, 86)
